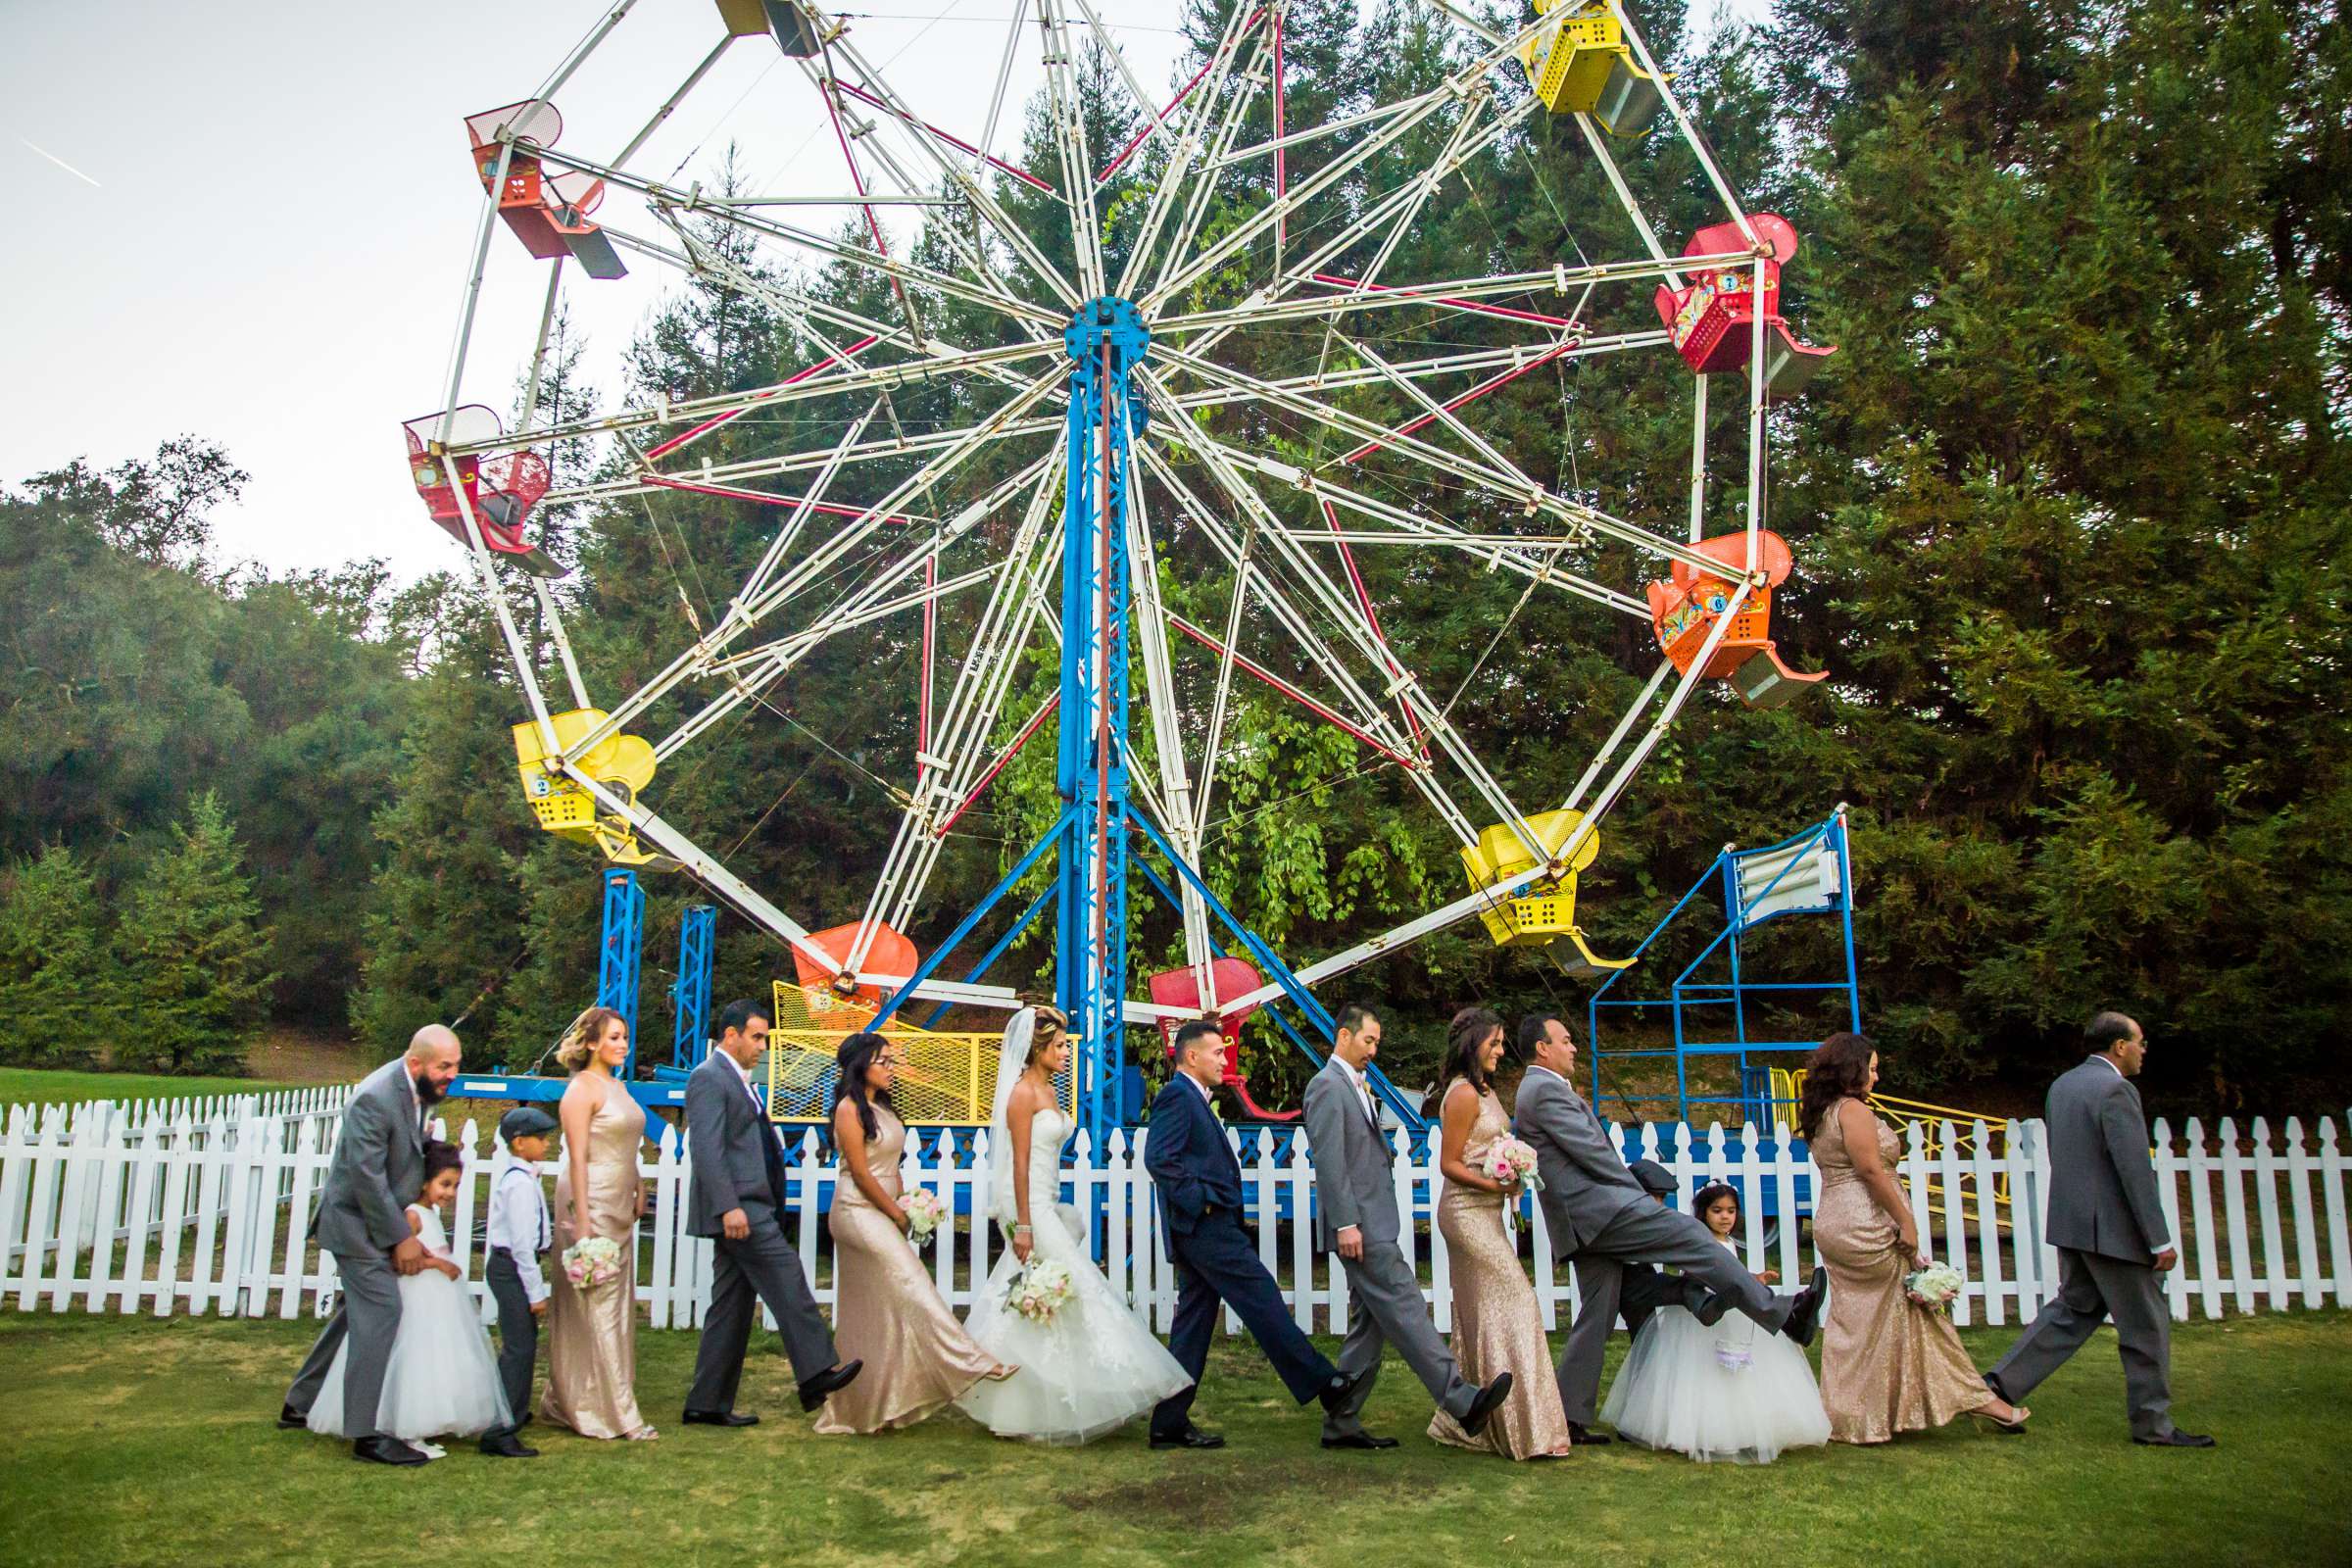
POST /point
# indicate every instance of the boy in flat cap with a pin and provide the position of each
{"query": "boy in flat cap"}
(518, 1232)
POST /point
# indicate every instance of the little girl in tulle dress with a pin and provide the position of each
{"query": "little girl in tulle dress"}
(1733, 1392)
(442, 1378)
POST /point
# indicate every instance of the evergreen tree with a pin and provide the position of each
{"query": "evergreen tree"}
(58, 987)
(192, 957)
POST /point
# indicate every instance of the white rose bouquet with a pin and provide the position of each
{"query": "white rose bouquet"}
(592, 1262)
(1935, 1286)
(925, 1215)
(1040, 1289)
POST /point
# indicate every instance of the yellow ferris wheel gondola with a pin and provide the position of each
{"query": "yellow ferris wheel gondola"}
(1581, 64)
(1541, 914)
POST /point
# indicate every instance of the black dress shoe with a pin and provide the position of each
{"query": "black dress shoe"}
(1805, 1317)
(385, 1450)
(1488, 1399)
(289, 1418)
(829, 1381)
(1340, 1392)
(2177, 1439)
(506, 1446)
(1586, 1437)
(719, 1418)
(1357, 1439)
(1190, 1438)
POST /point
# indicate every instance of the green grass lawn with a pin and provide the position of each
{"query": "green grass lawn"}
(40, 1086)
(151, 1442)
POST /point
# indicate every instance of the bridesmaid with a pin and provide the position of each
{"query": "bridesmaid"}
(1889, 1363)
(592, 1335)
(886, 1311)
(1497, 1326)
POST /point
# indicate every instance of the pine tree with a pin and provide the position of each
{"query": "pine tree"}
(58, 986)
(192, 954)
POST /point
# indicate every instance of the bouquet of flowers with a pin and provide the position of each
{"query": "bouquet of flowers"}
(1935, 1286)
(1511, 1161)
(592, 1262)
(924, 1214)
(1039, 1290)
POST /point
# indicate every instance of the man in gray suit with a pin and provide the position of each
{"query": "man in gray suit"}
(735, 1196)
(1601, 1218)
(2113, 1243)
(378, 1171)
(1355, 1216)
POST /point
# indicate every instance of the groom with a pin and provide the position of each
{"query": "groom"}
(378, 1171)
(1355, 1216)
(1601, 1219)
(735, 1196)
(1200, 1186)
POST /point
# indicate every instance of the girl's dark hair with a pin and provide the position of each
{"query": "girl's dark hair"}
(856, 1054)
(440, 1157)
(1463, 1036)
(1705, 1200)
(1838, 1070)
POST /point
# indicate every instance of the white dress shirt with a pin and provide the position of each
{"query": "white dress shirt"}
(519, 1220)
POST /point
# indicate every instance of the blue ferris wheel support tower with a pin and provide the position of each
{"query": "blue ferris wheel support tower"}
(1106, 340)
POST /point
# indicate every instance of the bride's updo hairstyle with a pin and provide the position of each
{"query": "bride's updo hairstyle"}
(1049, 1025)
(579, 1041)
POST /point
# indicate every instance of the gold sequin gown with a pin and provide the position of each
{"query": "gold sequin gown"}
(1498, 1325)
(887, 1313)
(592, 1335)
(1888, 1364)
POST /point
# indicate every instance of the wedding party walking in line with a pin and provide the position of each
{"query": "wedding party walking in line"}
(1051, 1352)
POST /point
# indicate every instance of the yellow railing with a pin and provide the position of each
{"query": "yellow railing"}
(949, 1080)
(1940, 1127)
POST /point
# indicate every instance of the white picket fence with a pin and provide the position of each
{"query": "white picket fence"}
(125, 1133)
(84, 1202)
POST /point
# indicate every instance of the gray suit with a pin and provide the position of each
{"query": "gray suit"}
(2107, 1223)
(378, 1171)
(1601, 1220)
(1355, 1187)
(735, 1163)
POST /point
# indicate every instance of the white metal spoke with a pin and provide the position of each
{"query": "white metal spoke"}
(1188, 147)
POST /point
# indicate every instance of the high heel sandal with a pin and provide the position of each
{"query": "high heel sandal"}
(2014, 1427)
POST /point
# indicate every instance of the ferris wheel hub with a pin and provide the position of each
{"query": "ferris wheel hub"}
(1108, 319)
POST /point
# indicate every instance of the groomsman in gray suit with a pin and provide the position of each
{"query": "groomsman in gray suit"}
(1601, 1219)
(735, 1196)
(378, 1171)
(2113, 1243)
(1355, 1216)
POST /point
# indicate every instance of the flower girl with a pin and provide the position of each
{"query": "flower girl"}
(1731, 1391)
(441, 1378)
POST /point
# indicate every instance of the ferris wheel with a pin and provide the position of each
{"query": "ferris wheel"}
(1103, 413)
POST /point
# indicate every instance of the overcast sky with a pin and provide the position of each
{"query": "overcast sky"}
(250, 220)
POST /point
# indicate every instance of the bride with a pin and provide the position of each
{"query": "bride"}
(1092, 1367)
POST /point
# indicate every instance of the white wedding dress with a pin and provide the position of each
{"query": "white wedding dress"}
(442, 1376)
(1094, 1367)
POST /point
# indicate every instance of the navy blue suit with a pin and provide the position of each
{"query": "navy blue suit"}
(1200, 1188)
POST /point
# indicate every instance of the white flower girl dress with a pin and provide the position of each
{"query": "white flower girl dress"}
(442, 1376)
(1734, 1392)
